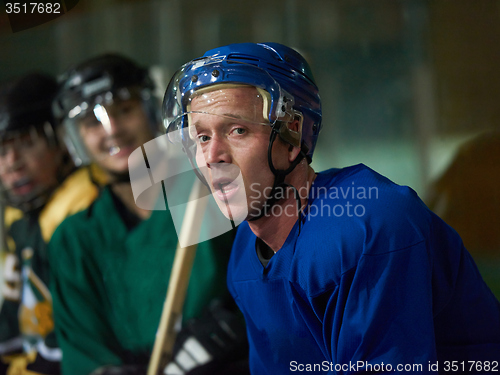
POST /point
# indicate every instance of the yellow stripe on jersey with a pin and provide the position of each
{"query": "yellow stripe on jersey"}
(76, 193)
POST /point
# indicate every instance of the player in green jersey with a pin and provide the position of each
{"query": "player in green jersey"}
(111, 263)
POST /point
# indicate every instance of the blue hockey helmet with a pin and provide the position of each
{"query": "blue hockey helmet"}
(278, 70)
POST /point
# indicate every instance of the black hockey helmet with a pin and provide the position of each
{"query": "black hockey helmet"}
(26, 103)
(98, 82)
(26, 118)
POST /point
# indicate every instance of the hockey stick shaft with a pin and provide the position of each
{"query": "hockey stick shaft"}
(179, 280)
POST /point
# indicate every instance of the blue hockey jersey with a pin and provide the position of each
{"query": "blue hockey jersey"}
(374, 281)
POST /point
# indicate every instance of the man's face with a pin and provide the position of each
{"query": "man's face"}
(28, 165)
(111, 133)
(231, 134)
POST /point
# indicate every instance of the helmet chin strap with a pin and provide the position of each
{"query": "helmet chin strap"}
(279, 177)
(119, 177)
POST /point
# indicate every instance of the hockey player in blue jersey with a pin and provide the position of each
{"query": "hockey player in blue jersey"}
(336, 272)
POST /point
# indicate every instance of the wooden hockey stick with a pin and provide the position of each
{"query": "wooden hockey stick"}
(179, 279)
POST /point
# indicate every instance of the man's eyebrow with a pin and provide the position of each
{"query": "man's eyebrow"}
(196, 127)
(232, 115)
(229, 116)
(197, 124)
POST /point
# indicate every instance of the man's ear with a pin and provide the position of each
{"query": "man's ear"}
(293, 153)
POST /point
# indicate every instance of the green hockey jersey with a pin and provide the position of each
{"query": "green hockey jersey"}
(110, 281)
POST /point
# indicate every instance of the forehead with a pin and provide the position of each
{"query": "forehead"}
(18, 137)
(236, 100)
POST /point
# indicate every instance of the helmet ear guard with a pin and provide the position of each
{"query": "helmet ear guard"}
(292, 137)
(285, 115)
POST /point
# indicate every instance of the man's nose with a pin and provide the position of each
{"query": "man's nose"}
(217, 152)
(114, 126)
(109, 119)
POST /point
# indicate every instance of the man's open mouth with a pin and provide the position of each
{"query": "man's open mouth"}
(22, 186)
(225, 189)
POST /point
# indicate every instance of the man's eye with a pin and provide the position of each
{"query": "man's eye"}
(26, 143)
(239, 131)
(125, 109)
(90, 122)
(203, 138)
